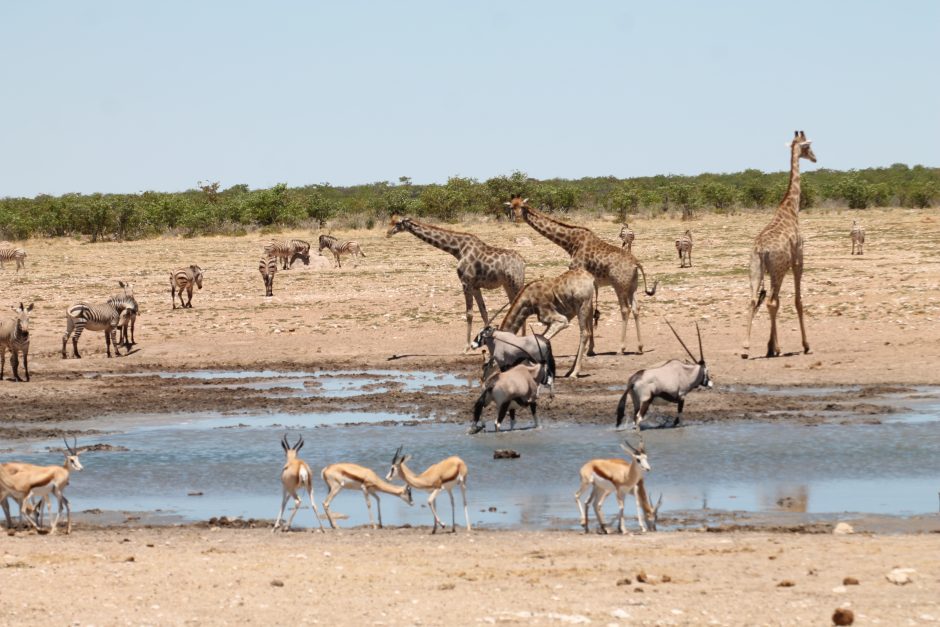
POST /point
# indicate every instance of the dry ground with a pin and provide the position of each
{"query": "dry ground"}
(403, 577)
(872, 320)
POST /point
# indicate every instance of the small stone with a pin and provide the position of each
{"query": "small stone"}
(491, 508)
(620, 613)
(447, 586)
(900, 576)
(130, 559)
(843, 529)
(843, 616)
(505, 453)
(850, 581)
(786, 583)
(641, 577)
(626, 581)
(277, 583)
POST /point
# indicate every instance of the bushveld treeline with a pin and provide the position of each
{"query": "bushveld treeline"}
(209, 209)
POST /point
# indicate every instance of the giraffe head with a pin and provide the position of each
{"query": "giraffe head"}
(396, 225)
(800, 141)
(515, 206)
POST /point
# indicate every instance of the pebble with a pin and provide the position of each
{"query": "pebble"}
(843, 616)
(900, 576)
(843, 529)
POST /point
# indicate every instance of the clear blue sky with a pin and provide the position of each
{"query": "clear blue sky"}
(129, 96)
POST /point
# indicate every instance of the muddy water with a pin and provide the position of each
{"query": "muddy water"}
(812, 472)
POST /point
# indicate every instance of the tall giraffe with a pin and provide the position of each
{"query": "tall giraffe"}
(778, 249)
(608, 264)
(479, 265)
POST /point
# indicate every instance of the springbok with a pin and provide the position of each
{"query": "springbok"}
(354, 477)
(441, 476)
(295, 474)
(46, 480)
(18, 488)
(621, 477)
(671, 381)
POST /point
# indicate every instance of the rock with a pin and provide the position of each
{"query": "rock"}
(626, 581)
(843, 529)
(505, 453)
(522, 240)
(843, 616)
(620, 613)
(900, 576)
(850, 581)
(491, 508)
(786, 583)
(277, 583)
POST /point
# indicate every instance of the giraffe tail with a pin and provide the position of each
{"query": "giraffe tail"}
(649, 292)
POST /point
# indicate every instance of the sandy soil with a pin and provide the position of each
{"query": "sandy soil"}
(872, 320)
(401, 577)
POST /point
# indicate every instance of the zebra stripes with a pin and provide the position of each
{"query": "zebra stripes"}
(627, 236)
(126, 301)
(185, 279)
(81, 316)
(858, 238)
(289, 251)
(340, 248)
(684, 248)
(14, 336)
(8, 252)
(268, 268)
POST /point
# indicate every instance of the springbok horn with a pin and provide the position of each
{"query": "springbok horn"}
(67, 447)
(626, 444)
(284, 443)
(701, 351)
(658, 503)
(300, 442)
(680, 341)
(397, 453)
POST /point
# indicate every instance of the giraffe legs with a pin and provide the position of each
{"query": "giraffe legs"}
(628, 305)
(773, 305)
(468, 298)
(757, 284)
(798, 300)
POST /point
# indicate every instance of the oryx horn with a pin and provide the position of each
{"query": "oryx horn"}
(701, 351)
(681, 342)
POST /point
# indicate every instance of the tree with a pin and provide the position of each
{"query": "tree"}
(624, 200)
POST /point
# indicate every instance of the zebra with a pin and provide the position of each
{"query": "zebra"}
(8, 252)
(289, 251)
(14, 335)
(268, 268)
(340, 248)
(684, 248)
(184, 279)
(128, 302)
(95, 318)
(858, 237)
(627, 236)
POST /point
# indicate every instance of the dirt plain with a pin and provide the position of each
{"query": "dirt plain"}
(872, 323)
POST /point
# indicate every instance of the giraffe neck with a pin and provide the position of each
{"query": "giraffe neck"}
(791, 201)
(558, 232)
(448, 241)
(518, 312)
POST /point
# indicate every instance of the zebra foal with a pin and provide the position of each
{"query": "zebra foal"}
(268, 268)
(14, 335)
(8, 252)
(684, 248)
(340, 248)
(81, 316)
(858, 237)
(185, 279)
(289, 251)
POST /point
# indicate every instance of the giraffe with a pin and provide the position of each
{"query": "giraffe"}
(555, 302)
(777, 249)
(608, 264)
(479, 265)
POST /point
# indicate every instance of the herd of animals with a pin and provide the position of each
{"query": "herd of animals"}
(518, 366)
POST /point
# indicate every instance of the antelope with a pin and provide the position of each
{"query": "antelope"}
(14, 335)
(354, 477)
(46, 480)
(441, 476)
(514, 388)
(621, 477)
(508, 349)
(671, 381)
(18, 487)
(295, 475)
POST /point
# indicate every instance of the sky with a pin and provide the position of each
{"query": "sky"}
(124, 97)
